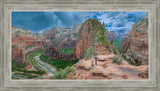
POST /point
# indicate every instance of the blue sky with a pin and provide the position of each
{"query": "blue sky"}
(39, 21)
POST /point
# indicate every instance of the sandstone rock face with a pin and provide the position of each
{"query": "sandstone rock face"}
(24, 41)
(114, 35)
(49, 34)
(18, 54)
(63, 37)
(135, 42)
(90, 37)
(87, 69)
(55, 54)
(23, 32)
(84, 65)
(86, 37)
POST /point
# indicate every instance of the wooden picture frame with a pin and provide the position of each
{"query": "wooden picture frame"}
(151, 6)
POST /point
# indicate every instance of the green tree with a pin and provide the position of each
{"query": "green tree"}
(104, 25)
(102, 35)
(112, 41)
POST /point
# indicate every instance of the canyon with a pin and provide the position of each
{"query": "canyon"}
(92, 46)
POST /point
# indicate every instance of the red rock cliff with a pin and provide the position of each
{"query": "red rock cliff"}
(24, 41)
(86, 37)
(135, 42)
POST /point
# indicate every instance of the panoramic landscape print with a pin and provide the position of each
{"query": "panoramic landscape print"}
(79, 45)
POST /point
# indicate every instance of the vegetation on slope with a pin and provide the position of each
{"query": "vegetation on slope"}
(56, 62)
(117, 44)
(32, 60)
(88, 53)
(131, 61)
(101, 35)
(66, 51)
(19, 69)
(62, 74)
(23, 73)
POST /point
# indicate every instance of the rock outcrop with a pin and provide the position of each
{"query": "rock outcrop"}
(92, 34)
(55, 54)
(89, 37)
(135, 42)
(49, 35)
(87, 69)
(63, 37)
(86, 37)
(24, 41)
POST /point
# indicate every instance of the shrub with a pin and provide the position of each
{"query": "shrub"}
(133, 62)
(74, 73)
(112, 41)
(88, 53)
(60, 75)
(115, 50)
(101, 35)
(117, 44)
(117, 60)
(69, 69)
(137, 63)
(123, 56)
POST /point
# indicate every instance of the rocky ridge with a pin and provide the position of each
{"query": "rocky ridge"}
(135, 42)
(24, 41)
(64, 37)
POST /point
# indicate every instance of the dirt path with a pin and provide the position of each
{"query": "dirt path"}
(105, 68)
(105, 63)
(109, 67)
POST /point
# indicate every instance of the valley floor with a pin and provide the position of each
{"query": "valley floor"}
(22, 74)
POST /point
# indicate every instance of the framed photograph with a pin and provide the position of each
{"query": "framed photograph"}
(79, 45)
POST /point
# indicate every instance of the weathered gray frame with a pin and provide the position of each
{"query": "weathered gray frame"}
(151, 6)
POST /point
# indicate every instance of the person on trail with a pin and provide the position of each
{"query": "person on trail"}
(95, 60)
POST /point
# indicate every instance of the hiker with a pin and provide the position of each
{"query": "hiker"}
(95, 60)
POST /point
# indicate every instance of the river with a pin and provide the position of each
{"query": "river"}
(50, 70)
